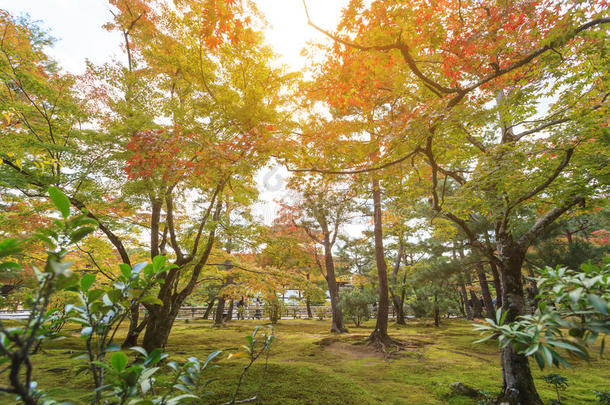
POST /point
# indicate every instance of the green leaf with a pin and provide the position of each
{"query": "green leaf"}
(598, 303)
(158, 263)
(539, 360)
(118, 361)
(60, 201)
(125, 269)
(93, 295)
(151, 299)
(140, 350)
(211, 357)
(9, 266)
(87, 281)
(9, 247)
(80, 233)
(548, 356)
(575, 294)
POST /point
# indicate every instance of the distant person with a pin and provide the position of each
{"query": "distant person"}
(241, 309)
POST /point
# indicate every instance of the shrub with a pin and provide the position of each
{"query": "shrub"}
(355, 304)
(576, 301)
(321, 312)
(275, 307)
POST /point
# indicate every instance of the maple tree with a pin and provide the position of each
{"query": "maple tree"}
(204, 57)
(194, 63)
(455, 88)
(472, 136)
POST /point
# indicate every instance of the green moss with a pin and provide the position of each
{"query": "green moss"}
(303, 371)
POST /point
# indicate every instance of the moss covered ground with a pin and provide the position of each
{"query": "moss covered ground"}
(308, 365)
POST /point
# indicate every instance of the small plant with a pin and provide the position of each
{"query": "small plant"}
(258, 345)
(559, 383)
(603, 397)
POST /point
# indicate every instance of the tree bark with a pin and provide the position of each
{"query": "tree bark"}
(134, 331)
(230, 312)
(397, 302)
(476, 304)
(437, 318)
(398, 308)
(220, 307)
(308, 306)
(333, 289)
(379, 336)
(487, 301)
(160, 321)
(497, 283)
(517, 382)
(208, 310)
(467, 307)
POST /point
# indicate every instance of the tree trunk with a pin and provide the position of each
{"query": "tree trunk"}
(398, 308)
(397, 302)
(476, 304)
(517, 382)
(379, 336)
(220, 308)
(333, 289)
(497, 283)
(230, 312)
(208, 310)
(487, 301)
(437, 318)
(134, 330)
(159, 325)
(308, 306)
(467, 306)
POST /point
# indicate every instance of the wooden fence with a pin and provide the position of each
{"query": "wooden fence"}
(288, 312)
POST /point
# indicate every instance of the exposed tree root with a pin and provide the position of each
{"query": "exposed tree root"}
(384, 343)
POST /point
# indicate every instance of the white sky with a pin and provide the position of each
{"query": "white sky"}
(77, 26)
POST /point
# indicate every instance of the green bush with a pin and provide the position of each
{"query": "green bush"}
(355, 304)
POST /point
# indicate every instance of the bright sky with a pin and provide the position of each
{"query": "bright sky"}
(77, 26)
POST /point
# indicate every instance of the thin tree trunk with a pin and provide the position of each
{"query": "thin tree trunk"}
(208, 310)
(397, 303)
(379, 336)
(333, 289)
(308, 306)
(467, 307)
(497, 283)
(437, 318)
(134, 331)
(487, 301)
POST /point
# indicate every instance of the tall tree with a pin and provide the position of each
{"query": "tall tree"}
(430, 72)
(320, 211)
